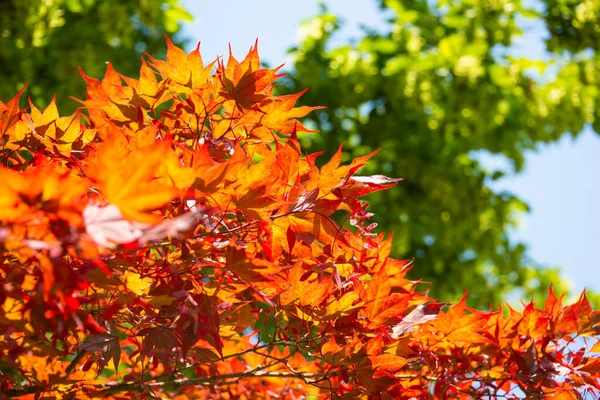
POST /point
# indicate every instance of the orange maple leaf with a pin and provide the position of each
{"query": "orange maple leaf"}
(246, 83)
(47, 188)
(10, 112)
(454, 328)
(187, 70)
(277, 114)
(309, 292)
(128, 179)
(382, 307)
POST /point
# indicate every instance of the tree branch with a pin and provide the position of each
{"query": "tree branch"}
(224, 379)
(110, 388)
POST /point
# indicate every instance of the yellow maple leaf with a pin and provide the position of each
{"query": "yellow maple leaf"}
(136, 284)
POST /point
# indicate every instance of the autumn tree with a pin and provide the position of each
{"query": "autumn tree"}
(44, 42)
(172, 239)
(436, 87)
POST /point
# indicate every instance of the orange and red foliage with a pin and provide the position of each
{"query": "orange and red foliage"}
(172, 239)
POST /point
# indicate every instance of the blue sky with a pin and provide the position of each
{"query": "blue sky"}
(558, 182)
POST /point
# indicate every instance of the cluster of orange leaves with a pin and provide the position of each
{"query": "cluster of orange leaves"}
(171, 238)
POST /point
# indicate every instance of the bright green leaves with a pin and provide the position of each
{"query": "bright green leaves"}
(434, 90)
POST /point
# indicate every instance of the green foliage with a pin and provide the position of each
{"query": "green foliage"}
(573, 24)
(434, 89)
(43, 42)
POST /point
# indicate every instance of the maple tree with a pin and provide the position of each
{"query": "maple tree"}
(171, 238)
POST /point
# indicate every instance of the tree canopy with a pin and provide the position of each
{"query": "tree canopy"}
(45, 42)
(435, 88)
(174, 240)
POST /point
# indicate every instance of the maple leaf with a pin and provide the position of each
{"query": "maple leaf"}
(256, 202)
(135, 283)
(199, 322)
(378, 368)
(387, 364)
(382, 307)
(45, 188)
(306, 226)
(53, 131)
(253, 270)
(454, 328)
(147, 91)
(358, 186)
(331, 351)
(106, 226)
(307, 292)
(10, 112)
(276, 114)
(306, 201)
(185, 69)
(345, 305)
(531, 322)
(332, 175)
(159, 341)
(246, 83)
(109, 99)
(12, 309)
(135, 191)
(578, 317)
(106, 343)
(173, 171)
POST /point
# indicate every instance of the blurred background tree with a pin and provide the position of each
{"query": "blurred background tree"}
(43, 42)
(436, 89)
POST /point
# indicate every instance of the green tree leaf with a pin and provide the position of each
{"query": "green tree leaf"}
(435, 89)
